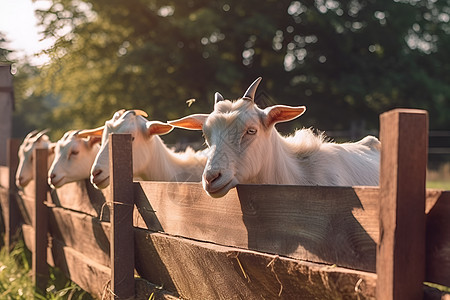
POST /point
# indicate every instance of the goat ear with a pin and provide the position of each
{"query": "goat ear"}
(192, 122)
(282, 113)
(158, 128)
(93, 140)
(97, 132)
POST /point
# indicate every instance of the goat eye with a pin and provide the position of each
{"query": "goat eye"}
(74, 152)
(251, 131)
(132, 138)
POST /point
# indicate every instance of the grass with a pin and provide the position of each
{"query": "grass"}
(439, 178)
(16, 282)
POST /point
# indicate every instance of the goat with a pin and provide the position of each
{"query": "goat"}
(245, 147)
(74, 156)
(152, 160)
(33, 140)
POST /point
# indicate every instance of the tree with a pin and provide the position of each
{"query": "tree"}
(346, 60)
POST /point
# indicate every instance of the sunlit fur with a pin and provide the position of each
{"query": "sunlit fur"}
(34, 140)
(303, 158)
(73, 160)
(152, 159)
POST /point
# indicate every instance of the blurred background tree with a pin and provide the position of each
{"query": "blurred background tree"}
(347, 61)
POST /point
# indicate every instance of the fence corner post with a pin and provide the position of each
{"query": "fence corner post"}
(121, 210)
(40, 220)
(12, 214)
(401, 249)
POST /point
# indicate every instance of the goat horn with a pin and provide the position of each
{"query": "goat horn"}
(29, 135)
(251, 91)
(40, 134)
(139, 112)
(91, 132)
(218, 97)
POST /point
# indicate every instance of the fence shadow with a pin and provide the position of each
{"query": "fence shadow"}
(313, 223)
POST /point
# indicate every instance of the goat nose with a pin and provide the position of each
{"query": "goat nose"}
(53, 175)
(212, 176)
(97, 172)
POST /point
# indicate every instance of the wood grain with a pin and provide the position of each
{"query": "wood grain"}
(401, 250)
(199, 270)
(81, 232)
(40, 221)
(121, 216)
(321, 224)
(11, 209)
(83, 197)
(438, 237)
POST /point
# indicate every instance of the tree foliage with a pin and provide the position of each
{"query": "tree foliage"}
(346, 60)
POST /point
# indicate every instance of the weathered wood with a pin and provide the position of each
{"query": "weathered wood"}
(40, 221)
(401, 249)
(200, 270)
(6, 108)
(26, 206)
(88, 274)
(83, 197)
(333, 225)
(121, 210)
(438, 237)
(11, 209)
(81, 232)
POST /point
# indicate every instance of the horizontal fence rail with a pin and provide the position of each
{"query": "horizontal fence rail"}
(259, 241)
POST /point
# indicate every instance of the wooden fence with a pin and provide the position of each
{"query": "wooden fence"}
(258, 242)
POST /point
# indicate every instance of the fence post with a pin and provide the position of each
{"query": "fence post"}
(121, 212)
(12, 215)
(401, 248)
(40, 220)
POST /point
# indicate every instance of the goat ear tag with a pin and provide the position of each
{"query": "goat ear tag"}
(192, 122)
(158, 128)
(283, 113)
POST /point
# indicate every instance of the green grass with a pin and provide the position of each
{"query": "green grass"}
(439, 184)
(439, 178)
(16, 283)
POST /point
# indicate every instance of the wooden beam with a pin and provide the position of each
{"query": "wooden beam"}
(12, 213)
(401, 248)
(201, 270)
(121, 211)
(333, 225)
(40, 220)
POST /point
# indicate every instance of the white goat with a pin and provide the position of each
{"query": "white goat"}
(245, 147)
(152, 160)
(34, 140)
(74, 156)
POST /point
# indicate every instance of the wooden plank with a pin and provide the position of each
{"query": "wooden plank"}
(199, 270)
(81, 232)
(26, 206)
(438, 237)
(83, 197)
(121, 210)
(88, 274)
(28, 236)
(12, 213)
(401, 249)
(333, 225)
(40, 221)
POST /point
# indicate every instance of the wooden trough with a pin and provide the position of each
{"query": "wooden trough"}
(258, 242)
